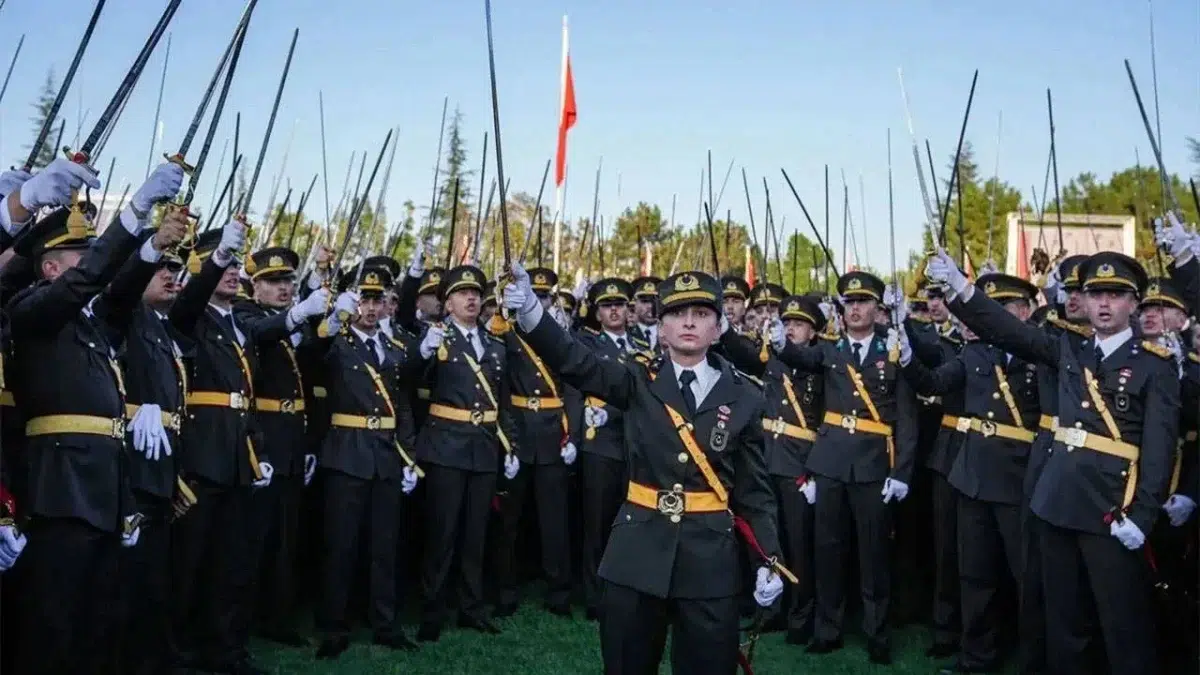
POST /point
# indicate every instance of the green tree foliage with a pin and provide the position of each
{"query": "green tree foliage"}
(455, 168)
(41, 115)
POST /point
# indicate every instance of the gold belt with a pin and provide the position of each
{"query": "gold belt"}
(422, 394)
(286, 406)
(674, 502)
(475, 417)
(852, 424)
(320, 392)
(1078, 438)
(369, 422)
(76, 424)
(536, 403)
(1048, 423)
(959, 424)
(988, 428)
(219, 399)
(170, 420)
(778, 427)
(6, 399)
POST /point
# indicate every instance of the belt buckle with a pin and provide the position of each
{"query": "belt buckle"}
(287, 406)
(237, 401)
(1076, 438)
(849, 423)
(535, 403)
(987, 428)
(778, 426)
(963, 425)
(1054, 423)
(374, 423)
(671, 503)
(118, 428)
(476, 417)
(175, 421)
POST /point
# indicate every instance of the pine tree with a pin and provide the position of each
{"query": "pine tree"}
(455, 168)
(41, 119)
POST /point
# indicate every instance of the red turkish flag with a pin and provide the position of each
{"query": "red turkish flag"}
(566, 120)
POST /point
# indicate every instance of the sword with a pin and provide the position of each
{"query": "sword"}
(248, 197)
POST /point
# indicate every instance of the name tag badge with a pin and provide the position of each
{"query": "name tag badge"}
(717, 439)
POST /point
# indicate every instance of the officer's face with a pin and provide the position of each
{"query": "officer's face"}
(274, 293)
(1019, 309)
(644, 310)
(370, 308)
(883, 316)
(613, 315)
(1153, 324)
(464, 306)
(937, 309)
(430, 307)
(1109, 311)
(921, 312)
(771, 309)
(391, 301)
(689, 331)
(735, 309)
(55, 263)
(162, 288)
(227, 289)
(860, 314)
(753, 319)
(1076, 307)
(544, 298)
(798, 331)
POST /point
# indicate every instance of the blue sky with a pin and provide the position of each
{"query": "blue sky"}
(769, 83)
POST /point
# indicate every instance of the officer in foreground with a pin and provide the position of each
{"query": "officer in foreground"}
(694, 443)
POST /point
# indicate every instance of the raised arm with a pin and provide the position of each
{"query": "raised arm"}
(994, 325)
(948, 378)
(742, 353)
(575, 363)
(926, 343)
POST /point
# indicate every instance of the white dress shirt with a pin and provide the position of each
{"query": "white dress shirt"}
(651, 333)
(1111, 343)
(174, 345)
(706, 379)
(864, 350)
(472, 336)
(241, 338)
(376, 338)
(623, 336)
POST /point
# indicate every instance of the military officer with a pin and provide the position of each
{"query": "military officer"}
(673, 558)
(467, 439)
(72, 395)
(736, 291)
(545, 450)
(862, 460)
(391, 298)
(1104, 482)
(794, 405)
(367, 463)
(602, 452)
(280, 413)
(765, 298)
(644, 314)
(999, 419)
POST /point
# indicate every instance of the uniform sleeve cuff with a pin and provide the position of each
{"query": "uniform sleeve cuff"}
(130, 221)
(530, 320)
(148, 253)
(13, 229)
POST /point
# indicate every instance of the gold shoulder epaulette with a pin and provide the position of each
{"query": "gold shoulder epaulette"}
(921, 319)
(1085, 331)
(757, 382)
(589, 329)
(1156, 349)
(1194, 357)
(832, 337)
(951, 339)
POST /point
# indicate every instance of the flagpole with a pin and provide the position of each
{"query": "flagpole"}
(559, 189)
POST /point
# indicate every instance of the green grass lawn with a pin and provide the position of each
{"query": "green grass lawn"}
(537, 643)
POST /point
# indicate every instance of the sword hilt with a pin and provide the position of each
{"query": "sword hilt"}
(178, 160)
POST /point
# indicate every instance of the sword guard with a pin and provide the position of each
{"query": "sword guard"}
(79, 157)
(178, 160)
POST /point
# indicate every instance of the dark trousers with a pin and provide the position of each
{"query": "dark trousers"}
(1077, 566)
(213, 570)
(796, 528)
(604, 487)
(947, 620)
(1031, 606)
(278, 507)
(546, 485)
(69, 609)
(633, 633)
(146, 592)
(354, 507)
(989, 553)
(458, 507)
(839, 507)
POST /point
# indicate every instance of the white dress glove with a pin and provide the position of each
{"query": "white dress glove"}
(594, 416)
(1128, 533)
(809, 489)
(580, 291)
(310, 468)
(890, 296)
(1172, 236)
(1179, 509)
(233, 242)
(434, 335)
(52, 186)
(162, 184)
(266, 470)
(416, 263)
(898, 339)
(313, 305)
(778, 337)
(568, 454)
(347, 302)
(518, 294)
(408, 482)
(11, 180)
(767, 587)
(130, 539)
(149, 436)
(12, 543)
(1054, 278)
(894, 489)
(511, 466)
(941, 268)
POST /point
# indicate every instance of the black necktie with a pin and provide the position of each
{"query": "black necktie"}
(471, 344)
(857, 347)
(686, 378)
(621, 343)
(1099, 355)
(374, 353)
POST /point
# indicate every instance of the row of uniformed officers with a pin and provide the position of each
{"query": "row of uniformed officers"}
(158, 438)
